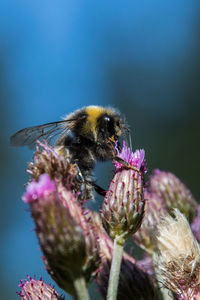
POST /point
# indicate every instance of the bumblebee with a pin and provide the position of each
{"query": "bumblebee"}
(89, 135)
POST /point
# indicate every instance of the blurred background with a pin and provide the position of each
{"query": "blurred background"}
(142, 57)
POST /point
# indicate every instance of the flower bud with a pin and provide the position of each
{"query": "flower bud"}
(37, 289)
(178, 255)
(155, 209)
(193, 294)
(123, 206)
(66, 237)
(175, 194)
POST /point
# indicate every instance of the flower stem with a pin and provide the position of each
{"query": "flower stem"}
(81, 292)
(115, 269)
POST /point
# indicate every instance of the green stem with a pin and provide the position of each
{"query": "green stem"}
(115, 269)
(81, 292)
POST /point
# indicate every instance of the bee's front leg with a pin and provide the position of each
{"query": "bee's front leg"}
(125, 164)
(99, 189)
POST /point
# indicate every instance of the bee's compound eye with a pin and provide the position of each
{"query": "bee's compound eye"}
(105, 123)
(106, 119)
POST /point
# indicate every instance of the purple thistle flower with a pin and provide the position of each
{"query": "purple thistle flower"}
(58, 164)
(40, 189)
(33, 289)
(65, 235)
(174, 193)
(155, 209)
(123, 206)
(136, 159)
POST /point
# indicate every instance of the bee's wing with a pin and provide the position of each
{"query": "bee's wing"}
(29, 136)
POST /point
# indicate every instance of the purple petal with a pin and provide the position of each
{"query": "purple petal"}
(136, 159)
(40, 189)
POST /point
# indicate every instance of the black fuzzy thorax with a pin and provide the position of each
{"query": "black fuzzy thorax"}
(87, 147)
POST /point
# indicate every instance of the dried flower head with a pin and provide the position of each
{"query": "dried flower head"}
(66, 237)
(192, 294)
(134, 281)
(178, 254)
(155, 209)
(195, 226)
(33, 289)
(175, 194)
(123, 206)
(57, 163)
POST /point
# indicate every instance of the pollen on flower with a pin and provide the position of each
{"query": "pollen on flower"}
(42, 188)
(135, 159)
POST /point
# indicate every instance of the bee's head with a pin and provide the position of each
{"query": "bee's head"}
(103, 124)
(110, 126)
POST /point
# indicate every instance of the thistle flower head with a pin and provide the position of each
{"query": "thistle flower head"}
(57, 163)
(123, 206)
(178, 254)
(195, 226)
(66, 237)
(191, 294)
(136, 159)
(37, 289)
(53, 161)
(41, 189)
(155, 209)
(175, 194)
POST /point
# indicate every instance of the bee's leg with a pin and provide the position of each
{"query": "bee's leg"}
(79, 175)
(125, 164)
(82, 179)
(99, 189)
(85, 186)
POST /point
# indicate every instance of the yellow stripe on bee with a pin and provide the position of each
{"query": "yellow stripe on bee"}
(93, 113)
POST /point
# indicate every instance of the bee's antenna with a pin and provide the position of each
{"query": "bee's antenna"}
(129, 137)
(125, 138)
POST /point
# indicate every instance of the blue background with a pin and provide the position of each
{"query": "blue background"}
(56, 56)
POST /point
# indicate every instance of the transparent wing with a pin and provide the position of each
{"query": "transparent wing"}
(29, 136)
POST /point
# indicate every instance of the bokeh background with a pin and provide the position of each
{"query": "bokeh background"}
(141, 56)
